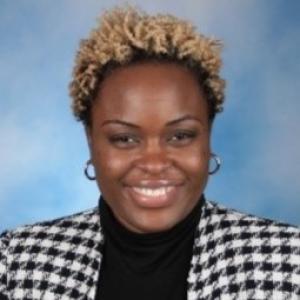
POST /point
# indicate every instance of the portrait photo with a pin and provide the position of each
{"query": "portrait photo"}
(149, 150)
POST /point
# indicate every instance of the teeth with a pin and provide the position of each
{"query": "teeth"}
(153, 192)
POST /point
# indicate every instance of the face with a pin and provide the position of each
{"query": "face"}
(149, 144)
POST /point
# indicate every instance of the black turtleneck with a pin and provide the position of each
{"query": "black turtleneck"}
(145, 266)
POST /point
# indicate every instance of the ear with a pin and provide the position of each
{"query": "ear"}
(88, 134)
(210, 128)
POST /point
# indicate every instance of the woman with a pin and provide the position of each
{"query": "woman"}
(147, 89)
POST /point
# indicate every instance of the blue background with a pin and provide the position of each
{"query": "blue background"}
(43, 150)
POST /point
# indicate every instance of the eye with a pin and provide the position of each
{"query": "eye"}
(124, 140)
(182, 137)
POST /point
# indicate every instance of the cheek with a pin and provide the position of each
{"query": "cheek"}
(108, 169)
(109, 164)
(196, 161)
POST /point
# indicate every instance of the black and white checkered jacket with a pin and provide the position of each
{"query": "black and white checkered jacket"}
(235, 256)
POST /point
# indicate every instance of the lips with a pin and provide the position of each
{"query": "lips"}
(154, 194)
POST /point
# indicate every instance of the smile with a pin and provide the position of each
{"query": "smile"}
(154, 196)
(153, 192)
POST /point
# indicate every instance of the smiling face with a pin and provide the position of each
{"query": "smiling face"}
(149, 143)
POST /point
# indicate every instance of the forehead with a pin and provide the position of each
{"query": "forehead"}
(150, 89)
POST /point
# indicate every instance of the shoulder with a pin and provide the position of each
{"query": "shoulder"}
(68, 225)
(244, 255)
(69, 230)
(30, 252)
(218, 215)
(228, 226)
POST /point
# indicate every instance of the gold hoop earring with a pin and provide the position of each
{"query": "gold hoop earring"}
(86, 170)
(217, 162)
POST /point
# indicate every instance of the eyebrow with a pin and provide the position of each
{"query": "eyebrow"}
(170, 123)
(120, 122)
(184, 118)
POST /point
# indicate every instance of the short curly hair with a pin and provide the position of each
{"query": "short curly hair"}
(127, 35)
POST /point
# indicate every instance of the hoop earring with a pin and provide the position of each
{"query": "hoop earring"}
(218, 163)
(86, 171)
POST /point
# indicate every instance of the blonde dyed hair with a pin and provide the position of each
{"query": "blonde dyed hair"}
(127, 35)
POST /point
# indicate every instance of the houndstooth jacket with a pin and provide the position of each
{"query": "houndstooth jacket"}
(235, 256)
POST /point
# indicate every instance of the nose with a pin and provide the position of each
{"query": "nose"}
(154, 159)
